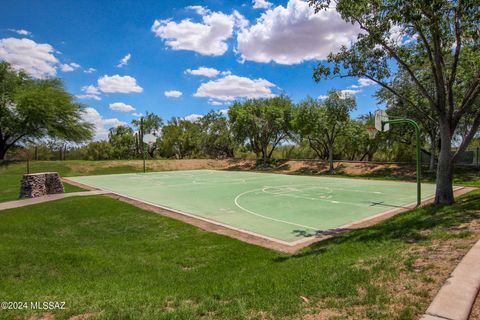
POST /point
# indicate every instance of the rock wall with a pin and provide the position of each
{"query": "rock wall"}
(40, 184)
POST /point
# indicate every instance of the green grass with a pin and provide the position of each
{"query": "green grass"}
(105, 257)
(11, 173)
(11, 176)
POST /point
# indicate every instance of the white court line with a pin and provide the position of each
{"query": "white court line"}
(265, 217)
(316, 199)
(292, 196)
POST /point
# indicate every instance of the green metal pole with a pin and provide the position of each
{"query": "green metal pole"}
(418, 153)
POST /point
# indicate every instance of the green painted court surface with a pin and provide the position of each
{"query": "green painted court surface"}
(282, 207)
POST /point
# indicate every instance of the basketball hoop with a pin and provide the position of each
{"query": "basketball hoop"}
(149, 139)
(380, 118)
(372, 132)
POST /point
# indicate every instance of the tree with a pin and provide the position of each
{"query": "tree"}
(420, 37)
(123, 142)
(37, 108)
(180, 138)
(262, 123)
(324, 123)
(355, 141)
(97, 150)
(309, 124)
(422, 114)
(216, 139)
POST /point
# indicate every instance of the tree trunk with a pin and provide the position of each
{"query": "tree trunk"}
(364, 155)
(444, 188)
(3, 152)
(370, 156)
(433, 150)
(264, 156)
(330, 159)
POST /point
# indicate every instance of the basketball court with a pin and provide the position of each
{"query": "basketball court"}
(286, 209)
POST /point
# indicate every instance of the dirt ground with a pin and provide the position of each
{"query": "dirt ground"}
(287, 166)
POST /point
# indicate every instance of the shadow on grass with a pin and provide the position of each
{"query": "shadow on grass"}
(409, 227)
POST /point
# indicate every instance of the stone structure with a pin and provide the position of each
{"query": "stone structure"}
(40, 184)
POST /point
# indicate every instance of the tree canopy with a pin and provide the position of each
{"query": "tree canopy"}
(436, 43)
(263, 123)
(321, 123)
(35, 108)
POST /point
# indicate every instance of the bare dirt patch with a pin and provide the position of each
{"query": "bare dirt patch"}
(281, 166)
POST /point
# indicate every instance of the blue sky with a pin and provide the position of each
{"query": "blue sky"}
(246, 49)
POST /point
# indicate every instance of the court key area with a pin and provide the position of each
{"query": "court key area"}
(278, 207)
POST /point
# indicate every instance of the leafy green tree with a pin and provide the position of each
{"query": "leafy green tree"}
(122, 140)
(324, 122)
(419, 37)
(37, 108)
(151, 123)
(216, 139)
(309, 124)
(422, 113)
(262, 123)
(355, 142)
(98, 150)
(180, 139)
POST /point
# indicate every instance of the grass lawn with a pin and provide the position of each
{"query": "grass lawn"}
(11, 173)
(109, 260)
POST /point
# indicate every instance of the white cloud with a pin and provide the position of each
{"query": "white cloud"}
(21, 32)
(215, 103)
(193, 117)
(203, 71)
(232, 87)
(37, 59)
(342, 94)
(88, 96)
(90, 92)
(101, 124)
(207, 37)
(68, 67)
(348, 92)
(90, 89)
(201, 10)
(117, 83)
(240, 21)
(137, 114)
(120, 106)
(261, 4)
(363, 82)
(90, 70)
(173, 94)
(124, 60)
(294, 34)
